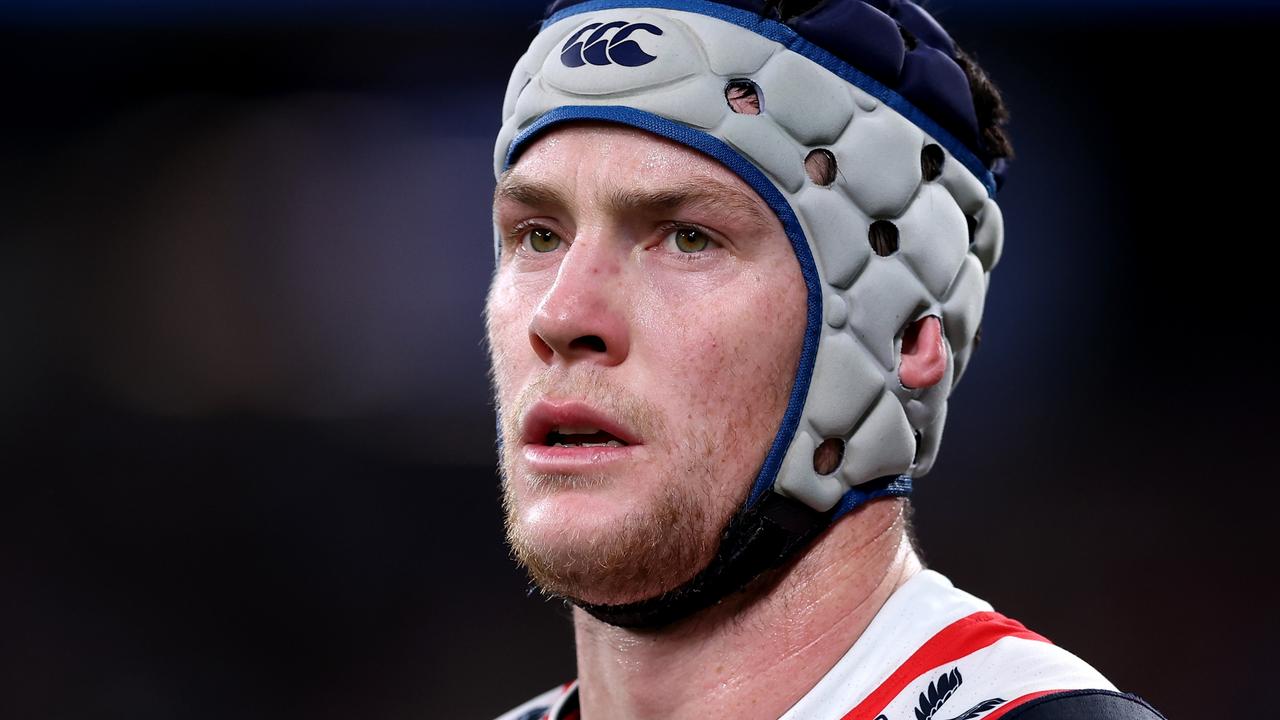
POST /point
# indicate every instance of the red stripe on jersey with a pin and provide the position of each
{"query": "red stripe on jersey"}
(564, 690)
(962, 637)
(1016, 702)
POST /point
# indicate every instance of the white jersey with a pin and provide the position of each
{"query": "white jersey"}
(933, 652)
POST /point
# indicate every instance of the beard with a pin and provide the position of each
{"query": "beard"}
(644, 555)
(648, 551)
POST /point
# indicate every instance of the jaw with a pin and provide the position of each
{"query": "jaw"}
(593, 540)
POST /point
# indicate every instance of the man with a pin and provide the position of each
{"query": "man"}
(742, 252)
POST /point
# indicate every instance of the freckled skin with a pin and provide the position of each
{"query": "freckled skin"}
(703, 349)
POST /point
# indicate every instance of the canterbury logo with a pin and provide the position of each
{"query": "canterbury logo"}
(617, 49)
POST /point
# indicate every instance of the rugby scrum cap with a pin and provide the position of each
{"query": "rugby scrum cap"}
(907, 226)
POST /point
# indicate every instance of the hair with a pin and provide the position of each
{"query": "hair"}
(989, 104)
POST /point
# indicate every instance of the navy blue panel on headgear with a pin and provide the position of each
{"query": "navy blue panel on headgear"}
(857, 33)
(922, 25)
(939, 87)
(867, 35)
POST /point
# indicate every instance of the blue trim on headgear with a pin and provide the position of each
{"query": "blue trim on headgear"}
(778, 32)
(888, 486)
(721, 151)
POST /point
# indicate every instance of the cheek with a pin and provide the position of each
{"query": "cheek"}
(508, 310)
(726, 357)
(762, 349)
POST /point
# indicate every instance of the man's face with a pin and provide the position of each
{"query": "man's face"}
(645, 324)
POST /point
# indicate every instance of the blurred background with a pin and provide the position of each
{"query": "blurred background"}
(248, 449)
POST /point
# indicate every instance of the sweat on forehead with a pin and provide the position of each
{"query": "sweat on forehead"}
(654, 174)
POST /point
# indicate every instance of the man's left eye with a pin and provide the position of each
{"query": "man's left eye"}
(542, 240)
(689, 240)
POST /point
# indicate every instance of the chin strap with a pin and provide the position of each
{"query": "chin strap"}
(758, 538)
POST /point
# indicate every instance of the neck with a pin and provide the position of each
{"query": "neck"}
(755, 654)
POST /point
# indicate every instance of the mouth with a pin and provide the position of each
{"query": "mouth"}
(561, 435)
(581, 437)
(574, 424)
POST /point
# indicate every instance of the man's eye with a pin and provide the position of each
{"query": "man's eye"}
(542, 240)
(688, 240)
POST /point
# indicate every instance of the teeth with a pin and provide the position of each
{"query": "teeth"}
(611, 443)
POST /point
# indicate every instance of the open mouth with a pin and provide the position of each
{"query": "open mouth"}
(571, 436)
(581, 437)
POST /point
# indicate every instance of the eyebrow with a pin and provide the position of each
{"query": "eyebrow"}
(694, 192)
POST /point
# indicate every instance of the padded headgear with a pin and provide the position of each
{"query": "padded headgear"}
(876, 85)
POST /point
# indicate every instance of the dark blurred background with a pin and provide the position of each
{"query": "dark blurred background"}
(248, 450)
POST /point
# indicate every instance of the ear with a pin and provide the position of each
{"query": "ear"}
(924, 355)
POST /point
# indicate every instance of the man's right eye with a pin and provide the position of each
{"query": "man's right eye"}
(541, 240)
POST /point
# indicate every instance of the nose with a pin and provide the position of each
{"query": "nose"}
(582, 316)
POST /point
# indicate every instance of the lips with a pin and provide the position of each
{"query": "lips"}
(573, 424)
(569, 438)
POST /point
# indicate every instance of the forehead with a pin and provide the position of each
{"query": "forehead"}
(583, 159)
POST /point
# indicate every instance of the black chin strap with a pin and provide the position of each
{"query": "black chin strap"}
(758, 538)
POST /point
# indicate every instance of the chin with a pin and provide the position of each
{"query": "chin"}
(581, 547)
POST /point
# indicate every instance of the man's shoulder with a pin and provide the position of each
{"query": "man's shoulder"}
(937, 652)
(1085, 705)
(538, 707)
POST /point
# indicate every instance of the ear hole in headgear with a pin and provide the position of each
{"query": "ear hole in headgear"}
(884, 237)
(827, 456)
(915, 456)
(931, 160)
(820, 164)
(973, 227)
(743, 97)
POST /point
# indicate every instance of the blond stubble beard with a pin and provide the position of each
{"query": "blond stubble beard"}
(645, 553)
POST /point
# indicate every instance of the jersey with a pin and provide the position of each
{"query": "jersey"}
(935, 652)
